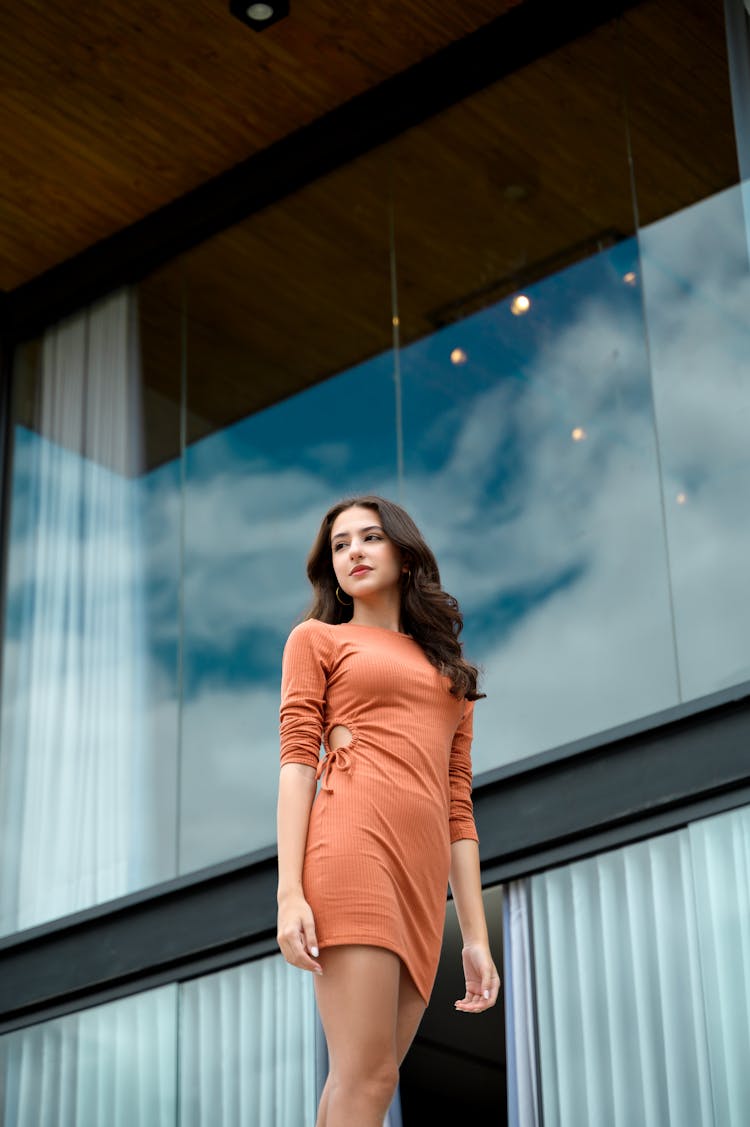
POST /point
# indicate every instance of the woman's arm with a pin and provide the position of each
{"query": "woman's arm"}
(296, 926)
(480, 973)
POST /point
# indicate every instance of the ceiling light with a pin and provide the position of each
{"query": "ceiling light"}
(458, 356)
(520, 304)
(578, 434)
(259, 16)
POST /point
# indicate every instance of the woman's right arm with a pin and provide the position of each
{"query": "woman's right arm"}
(296, 926)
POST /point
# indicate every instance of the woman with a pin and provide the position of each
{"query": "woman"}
(377, 674)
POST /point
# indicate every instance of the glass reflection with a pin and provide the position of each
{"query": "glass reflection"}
(255, 494)
(696, 285)
(541, 452)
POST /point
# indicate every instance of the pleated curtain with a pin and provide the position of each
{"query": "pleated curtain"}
(73, 763)
(520, 1023)
(231, 1049)
(247, 1048)
(639, 983)
(112, 1065)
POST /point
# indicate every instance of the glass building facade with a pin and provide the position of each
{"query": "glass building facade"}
(525, 318)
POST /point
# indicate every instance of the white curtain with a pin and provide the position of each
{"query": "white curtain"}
(520, 1023)
(720, 849)
(641, 972)
(73, 791)
(231, 1049)
(247, 1048)
(113, 1065)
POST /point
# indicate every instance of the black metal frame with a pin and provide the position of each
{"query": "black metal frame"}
(644, 778)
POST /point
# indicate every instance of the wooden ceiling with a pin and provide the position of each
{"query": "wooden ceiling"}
(110, 109)
(515, 181)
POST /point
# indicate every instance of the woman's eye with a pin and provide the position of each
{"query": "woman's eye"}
(337, 547)
(373, 536)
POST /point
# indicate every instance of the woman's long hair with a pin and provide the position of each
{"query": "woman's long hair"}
(428, 613)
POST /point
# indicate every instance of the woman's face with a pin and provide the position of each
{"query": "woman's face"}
(365, 561)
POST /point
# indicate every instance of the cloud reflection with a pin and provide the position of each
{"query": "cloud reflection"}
(556, 549)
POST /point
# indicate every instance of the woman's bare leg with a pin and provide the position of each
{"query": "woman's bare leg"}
(370, 1010)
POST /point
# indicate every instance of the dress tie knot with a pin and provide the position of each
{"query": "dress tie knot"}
(339, 758)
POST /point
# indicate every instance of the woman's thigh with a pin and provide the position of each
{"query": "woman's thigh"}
(358, 1003)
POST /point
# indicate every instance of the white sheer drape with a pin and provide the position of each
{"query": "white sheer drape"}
(114, 1065)
(241, 1053)
(72, 787)
(247, 1048)
(642, 980)
(520, 1021)
(720, 848)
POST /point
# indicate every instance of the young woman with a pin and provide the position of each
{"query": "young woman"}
(376, 673)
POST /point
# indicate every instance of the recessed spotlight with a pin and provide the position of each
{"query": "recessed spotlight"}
(578, 434)
(630, 278)
(681, 498)
(458, 356)
(259, 16)
(520, 304)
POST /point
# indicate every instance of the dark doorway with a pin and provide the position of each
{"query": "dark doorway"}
(456, 1065)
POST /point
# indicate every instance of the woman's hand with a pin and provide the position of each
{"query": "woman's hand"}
(482, 979)
(295, 933)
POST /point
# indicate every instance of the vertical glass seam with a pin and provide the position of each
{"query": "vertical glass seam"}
(396, 335)
(647, 343)
(181, 578)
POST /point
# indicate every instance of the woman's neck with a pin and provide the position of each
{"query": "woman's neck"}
(384, 612)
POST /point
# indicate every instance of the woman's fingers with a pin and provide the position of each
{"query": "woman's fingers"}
(297, 940)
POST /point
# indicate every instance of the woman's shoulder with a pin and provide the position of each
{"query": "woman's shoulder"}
(311, 633)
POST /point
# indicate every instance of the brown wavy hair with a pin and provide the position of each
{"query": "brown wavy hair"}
(428, 613)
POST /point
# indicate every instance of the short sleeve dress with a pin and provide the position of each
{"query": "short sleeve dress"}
(389, 804)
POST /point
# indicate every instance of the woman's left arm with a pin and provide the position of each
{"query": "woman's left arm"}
(480, 972)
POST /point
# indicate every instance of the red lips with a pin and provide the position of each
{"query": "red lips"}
(359, 570)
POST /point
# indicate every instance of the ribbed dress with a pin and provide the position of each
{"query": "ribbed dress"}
(389, 804)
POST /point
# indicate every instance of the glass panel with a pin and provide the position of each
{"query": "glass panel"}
(622, 1037)
(88, 754)
(309, 305)
(695, 286)
(530, 454)
(577, 459)
(247, 1048)
(113, 1065)
(721, 859)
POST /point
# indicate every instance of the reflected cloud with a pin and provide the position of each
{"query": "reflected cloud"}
(555, 548)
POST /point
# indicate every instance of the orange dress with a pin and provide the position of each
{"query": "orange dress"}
(390, 803)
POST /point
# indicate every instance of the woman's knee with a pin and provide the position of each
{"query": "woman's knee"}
(377, 1079)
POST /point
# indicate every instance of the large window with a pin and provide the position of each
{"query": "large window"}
(525, 318)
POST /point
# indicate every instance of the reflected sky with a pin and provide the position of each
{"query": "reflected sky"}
(533, 467)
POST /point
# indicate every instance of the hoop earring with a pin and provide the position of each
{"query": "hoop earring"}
(343, 601)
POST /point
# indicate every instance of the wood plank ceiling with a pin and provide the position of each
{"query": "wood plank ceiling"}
(110, 109)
